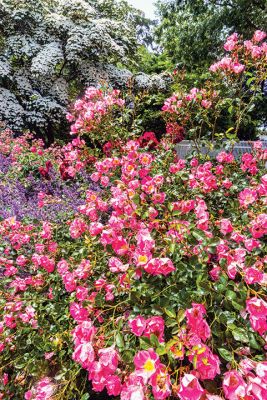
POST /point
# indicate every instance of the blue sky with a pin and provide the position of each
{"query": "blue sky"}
(144, 5)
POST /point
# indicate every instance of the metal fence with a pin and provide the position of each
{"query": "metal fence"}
(186, 147)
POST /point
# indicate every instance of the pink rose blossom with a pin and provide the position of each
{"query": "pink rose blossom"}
(234, 386)
(161, 383)
(259, 36)
(190, 388)
(146, 363)
(137, 325)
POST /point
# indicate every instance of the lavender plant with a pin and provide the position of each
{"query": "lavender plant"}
(21, 198)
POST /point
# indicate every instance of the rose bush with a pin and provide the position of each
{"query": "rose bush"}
(225, 103)
(153, 286)
(156, 287)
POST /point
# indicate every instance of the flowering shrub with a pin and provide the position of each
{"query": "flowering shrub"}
(150, 282)
(156, 288)
(34, 320)
(106, 118)
(169, 252)
(228, 97)
(94, 114)
(37, 183)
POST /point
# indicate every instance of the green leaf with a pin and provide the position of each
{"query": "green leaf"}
(172, 247)
(19, 366)
(237, 306)
(170, 322)
(180, 315)
(127, 356)
(230, 294)
(253, 342)
(119, 340)
(199, 235)
(144, 343)
(85, 396)
(175, 330)
(250, 80)
(230, 109)
(195, 362)
(136, 199)
(170, 312)
(170, 206)
(154, 340)
(241, 335)
(120, 323)
(176, 212)
(225, 354)
(251, 108)
(161, 350)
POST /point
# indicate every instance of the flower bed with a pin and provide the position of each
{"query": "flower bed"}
(33, 184)
(129, 271)
(156, 288)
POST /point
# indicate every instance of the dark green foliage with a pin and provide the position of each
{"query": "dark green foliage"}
(191, 32)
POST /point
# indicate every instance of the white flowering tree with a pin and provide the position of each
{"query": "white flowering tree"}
(51, 49)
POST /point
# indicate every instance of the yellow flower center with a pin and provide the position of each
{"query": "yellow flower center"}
(145, 159)
(178, 353)
(142, 259)
(149, 366)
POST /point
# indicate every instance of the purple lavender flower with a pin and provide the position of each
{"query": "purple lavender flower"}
(20, 197)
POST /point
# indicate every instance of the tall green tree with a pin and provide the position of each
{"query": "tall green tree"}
(191, 31)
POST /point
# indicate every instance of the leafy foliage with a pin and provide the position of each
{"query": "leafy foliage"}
(226, 103)
(191, 32)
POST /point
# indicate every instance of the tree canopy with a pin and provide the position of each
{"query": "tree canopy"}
(191, 32)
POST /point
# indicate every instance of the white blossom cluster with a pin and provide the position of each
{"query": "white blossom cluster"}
(46, 60)
(10, 108)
